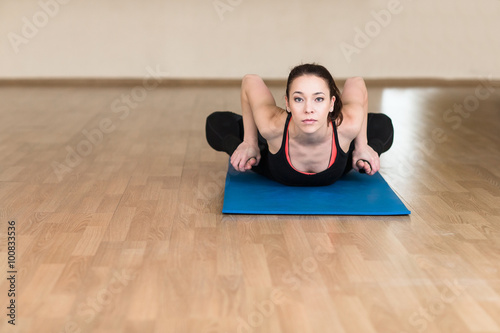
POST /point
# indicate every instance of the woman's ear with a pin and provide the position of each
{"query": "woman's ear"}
(287, 106)
(332, 103)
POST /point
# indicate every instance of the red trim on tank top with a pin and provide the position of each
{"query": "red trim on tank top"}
(333, 155)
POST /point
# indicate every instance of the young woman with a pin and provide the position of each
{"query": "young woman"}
(320, 136)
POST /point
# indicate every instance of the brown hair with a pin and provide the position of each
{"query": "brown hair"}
(322, 72)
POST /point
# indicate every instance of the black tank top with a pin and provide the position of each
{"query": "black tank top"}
(281, 169)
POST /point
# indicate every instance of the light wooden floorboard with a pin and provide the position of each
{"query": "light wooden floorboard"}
(122, 231)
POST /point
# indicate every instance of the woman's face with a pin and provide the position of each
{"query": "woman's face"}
(309, 102)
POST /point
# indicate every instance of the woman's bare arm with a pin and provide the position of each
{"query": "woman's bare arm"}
(259, 112)
(355, 112)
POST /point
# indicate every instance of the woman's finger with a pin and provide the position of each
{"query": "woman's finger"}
(235, 161)
(375, 165)
(360, 166)
(250, 163)
(368, 168)
(355, 165)
(364, 167)
(242, 164)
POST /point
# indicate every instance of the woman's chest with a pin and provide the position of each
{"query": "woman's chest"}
(309, 159)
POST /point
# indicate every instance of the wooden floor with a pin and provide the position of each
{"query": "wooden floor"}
(117, 201)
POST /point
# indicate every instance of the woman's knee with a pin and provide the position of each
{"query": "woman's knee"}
(380, 124)
(215, 118)
(221, 124)
(210, 124)
(381, 131)
(386, 122)
(221, 119)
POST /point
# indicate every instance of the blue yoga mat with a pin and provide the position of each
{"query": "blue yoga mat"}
(354, 194)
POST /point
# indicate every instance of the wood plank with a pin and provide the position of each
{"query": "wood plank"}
(126, 233)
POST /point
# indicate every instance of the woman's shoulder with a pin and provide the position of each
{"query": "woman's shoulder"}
(276, 122)
(273, 131)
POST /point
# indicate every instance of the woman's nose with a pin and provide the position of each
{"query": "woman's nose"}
(309, 108)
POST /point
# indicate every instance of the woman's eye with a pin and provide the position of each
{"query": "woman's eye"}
(320, 99)
(297, 99)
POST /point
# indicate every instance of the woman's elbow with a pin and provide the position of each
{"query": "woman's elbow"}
(357, 86)
(250, 77)
(247, 80)
(357, 80)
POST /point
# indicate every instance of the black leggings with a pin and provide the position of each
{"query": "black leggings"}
(380, 135)
(224, 131)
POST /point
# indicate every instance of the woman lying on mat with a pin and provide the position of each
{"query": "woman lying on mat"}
(297, 146)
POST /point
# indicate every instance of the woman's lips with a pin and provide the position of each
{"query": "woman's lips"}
(309, 121)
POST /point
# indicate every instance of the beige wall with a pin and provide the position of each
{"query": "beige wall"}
(228, 38)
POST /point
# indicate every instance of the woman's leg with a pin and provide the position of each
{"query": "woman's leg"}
(224, 131)
(380, 133)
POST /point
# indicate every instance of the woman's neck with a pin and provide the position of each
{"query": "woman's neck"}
(309, 139)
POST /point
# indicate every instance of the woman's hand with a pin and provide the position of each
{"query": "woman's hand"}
(365, 158)
(245, 156)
